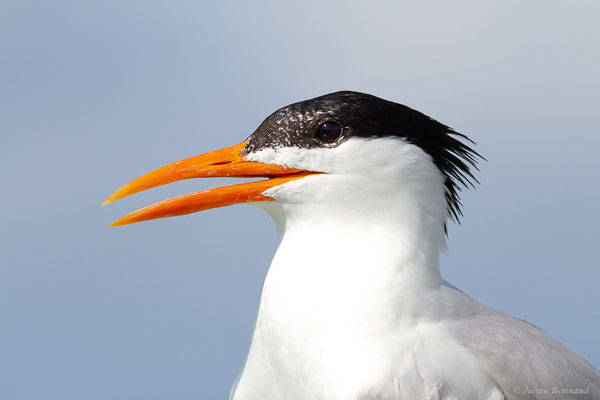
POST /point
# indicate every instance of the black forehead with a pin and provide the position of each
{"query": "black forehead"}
(361, 115)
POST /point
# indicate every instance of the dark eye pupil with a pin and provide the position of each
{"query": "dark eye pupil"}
(329, 131)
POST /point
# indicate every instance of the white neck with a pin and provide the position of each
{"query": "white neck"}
(354, 254)
(342, 254)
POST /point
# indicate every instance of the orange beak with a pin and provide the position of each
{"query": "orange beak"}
(220, 163)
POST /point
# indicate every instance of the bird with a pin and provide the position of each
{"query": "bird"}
(353, 306)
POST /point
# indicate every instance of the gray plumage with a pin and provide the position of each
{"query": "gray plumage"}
(525, 362)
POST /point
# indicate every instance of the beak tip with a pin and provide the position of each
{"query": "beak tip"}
(117, 195)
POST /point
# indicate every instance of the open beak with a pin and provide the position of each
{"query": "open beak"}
(225, 162)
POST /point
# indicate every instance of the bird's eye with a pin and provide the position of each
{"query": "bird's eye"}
(329, 131)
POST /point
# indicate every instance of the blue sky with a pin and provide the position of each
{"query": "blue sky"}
(96, 93)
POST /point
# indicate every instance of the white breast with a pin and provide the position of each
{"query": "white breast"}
(343, 319)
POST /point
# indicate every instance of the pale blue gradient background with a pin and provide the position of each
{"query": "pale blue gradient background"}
(93, 94)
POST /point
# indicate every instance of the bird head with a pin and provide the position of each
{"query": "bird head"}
(341, 151)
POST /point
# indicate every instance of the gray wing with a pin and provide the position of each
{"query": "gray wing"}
(525, 362)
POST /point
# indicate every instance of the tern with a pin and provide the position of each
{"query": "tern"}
(353, 305)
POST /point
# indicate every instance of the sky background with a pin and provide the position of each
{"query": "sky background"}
(93, 94)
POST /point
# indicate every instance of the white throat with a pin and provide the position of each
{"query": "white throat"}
(357, 262)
